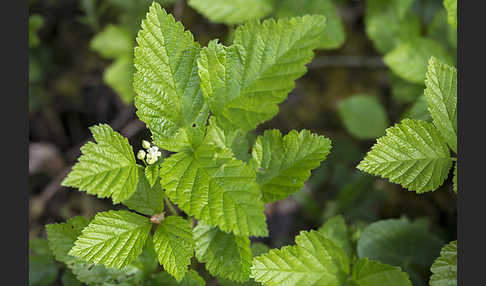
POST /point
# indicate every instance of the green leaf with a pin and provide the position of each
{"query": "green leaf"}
(441, 94)
(404, 91)
(335, 229)
(244, 83)
(235, 140)
(61, 237)
(372, 273)
(119, 76)
(412, 154)
(400, 242)
(444, 268)
(146, 200)
(232, 12)
(152, 174)
(451, 7)
(112, 238)
(43, 270)
(164, 279)
(174, 245)
(333, 35)
(363, 116)
(313, 261)
(283, 164)
(390, 23)
(210, 184)
(226, 255)
(169, 99)
(113, 42)
(409, 60)
(69, 279)
(107, 168)
(418, 110)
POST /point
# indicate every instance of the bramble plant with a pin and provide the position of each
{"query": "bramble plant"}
(195, 192)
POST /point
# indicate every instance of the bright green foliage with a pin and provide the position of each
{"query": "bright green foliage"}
(335, 229)
(418, 110)
(169, 99)
(244, 83)
(112, 42)
(146, 200)
(107, 168)
(372, 273)
(314, 260)
(63, 235)
(409, 60)
(35, 23)
(444, 268)
(232, 12)
(226, 255)
(441, 94)
(164, 279)
(390, 23)
(363, 116)
(174, 245)
(152, 174)
(283, 164)
(333, 35)
(115, 42)
(43, 269)
(413, 154)
(400, 242)
(451, 7)
(210, 184)
(113, 238)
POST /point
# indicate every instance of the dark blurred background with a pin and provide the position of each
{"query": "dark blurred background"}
(73, 85)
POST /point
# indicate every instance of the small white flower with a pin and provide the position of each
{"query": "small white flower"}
(150, 159)
(145, 144)
(141, 155)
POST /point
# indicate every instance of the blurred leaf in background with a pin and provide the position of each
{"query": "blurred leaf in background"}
(363, 116)
(43, 270)
(333, 35)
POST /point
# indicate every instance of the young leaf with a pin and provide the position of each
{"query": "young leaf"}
(61, 237)
(152, 174)
(244, 83)
(400, 242)
(112, 238)
(164, 279)
(106, 168)
(174, 245)
(412, 154)
(313, 261)
(390, 23)
(169, 99)
(363, 116)
(283, 164)
(409, 60)
(335, 229)
(444, 268)
(371, 273)
(226, 255)
(451, 7)
(441, 94)
(146, 200)
(211, 185)
(232, 12)
(333, 35)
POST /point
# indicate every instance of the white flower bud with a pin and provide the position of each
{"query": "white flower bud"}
(151, 159)
(145, 144)
(141, 154)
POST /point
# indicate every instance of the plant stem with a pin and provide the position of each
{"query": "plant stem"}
(169, 204)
